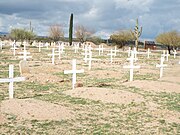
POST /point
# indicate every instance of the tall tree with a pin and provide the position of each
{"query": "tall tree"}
(71, 29)
(56, 32)
(83, 33)
(170, 39)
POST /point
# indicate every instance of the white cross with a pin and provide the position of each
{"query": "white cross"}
(86, 53)
(100, 49)
(47, 45)
(1, 44)
(25, 57)
(175, 53)
(165, 54)
(161, 66)
(60, 51)
(129, 51)
(148, 53)
(76, 47)
(115, 50)
(111, 55)
(53, 55)
(132, 57)
(62, 47)
(90, 48)
(135, 54)
(132, 67)
(11, 80)
(40, 45)
(90, 60)
(73, 72)
(14, 48)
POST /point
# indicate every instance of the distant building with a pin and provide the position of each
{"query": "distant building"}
(150, 44)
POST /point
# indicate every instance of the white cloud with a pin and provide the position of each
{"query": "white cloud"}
(134, 5)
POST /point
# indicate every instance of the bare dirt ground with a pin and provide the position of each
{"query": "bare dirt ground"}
(106, 95)
(35, 109)
(155, 86)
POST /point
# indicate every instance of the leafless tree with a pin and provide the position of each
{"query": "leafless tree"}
(56, 32)
(83, 33)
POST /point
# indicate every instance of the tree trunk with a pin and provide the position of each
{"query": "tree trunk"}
(169, 49)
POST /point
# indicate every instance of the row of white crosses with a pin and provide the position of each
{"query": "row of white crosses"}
(11, 81)
(166, 54)
(129, 52)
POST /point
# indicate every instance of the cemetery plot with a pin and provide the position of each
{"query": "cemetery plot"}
(105, 103)
(35, 109)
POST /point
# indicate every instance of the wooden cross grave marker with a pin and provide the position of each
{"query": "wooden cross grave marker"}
(165, 54)
(111, 54)
(11, 80)
(129, 51)
(76, 47)
(132, 57)
(86, 53)
(73, 72)
(40, 45)
(148, 53)
(25, 53)
(53, 55)
(100, 49)
(14, 48)
(131, 66)
(161, 66)
(175, 53)
(115, 51)
(90, 60)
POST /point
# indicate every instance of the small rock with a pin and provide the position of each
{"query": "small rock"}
(79, 85)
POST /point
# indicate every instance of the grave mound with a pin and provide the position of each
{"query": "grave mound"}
(156, 86)
(106, 95)
(35, 109)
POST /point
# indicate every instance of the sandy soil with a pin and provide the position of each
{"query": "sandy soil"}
(170, 116)
(156, 86)
(106, 95)
(35, 109)
(2, 119)
(41, 110)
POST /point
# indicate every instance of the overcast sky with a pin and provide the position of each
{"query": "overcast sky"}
(103, 16)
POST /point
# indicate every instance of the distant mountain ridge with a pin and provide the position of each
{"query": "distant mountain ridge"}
(4, 33)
